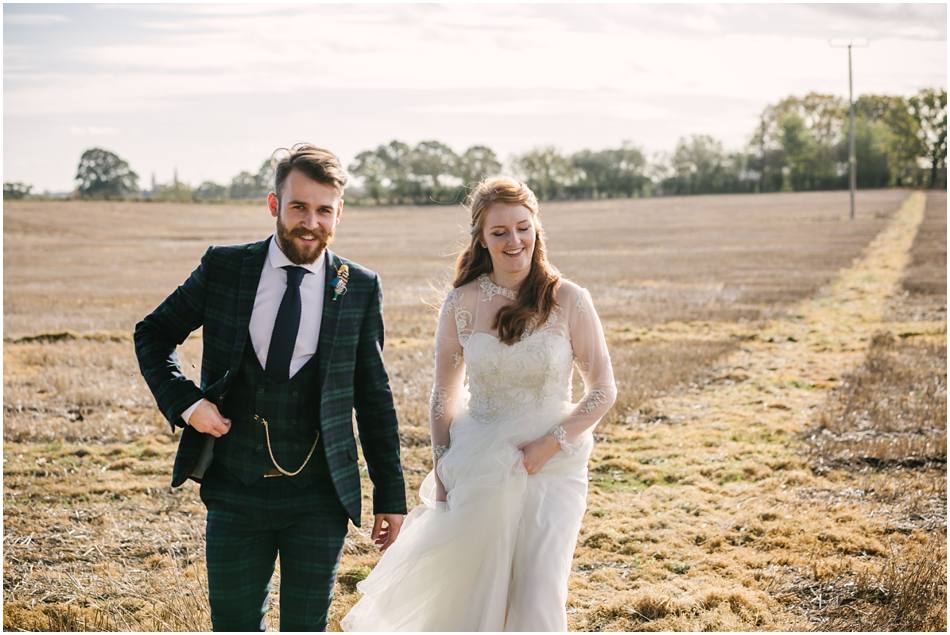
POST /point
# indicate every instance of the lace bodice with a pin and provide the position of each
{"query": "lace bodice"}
(497, 381)
(506, 381)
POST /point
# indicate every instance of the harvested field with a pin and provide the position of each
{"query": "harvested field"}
(780, 372)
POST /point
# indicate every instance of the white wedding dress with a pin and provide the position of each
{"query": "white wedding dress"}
(496, 555)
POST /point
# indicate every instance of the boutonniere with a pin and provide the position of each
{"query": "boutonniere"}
(339, 283)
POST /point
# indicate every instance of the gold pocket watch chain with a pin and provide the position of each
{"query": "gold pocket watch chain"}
(271, 451)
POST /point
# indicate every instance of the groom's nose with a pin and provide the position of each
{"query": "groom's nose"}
(310, 221)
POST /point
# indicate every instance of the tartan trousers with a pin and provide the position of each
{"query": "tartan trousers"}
(249, 527)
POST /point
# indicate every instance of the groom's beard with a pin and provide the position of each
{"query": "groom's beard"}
(297, 250)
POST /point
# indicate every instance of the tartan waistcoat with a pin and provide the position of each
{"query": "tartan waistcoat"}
(292, 411)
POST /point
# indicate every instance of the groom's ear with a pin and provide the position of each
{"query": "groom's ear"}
(272, 204)
(339, 212)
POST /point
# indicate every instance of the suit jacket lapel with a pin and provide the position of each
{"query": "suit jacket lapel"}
(329, 320)
(250, 277)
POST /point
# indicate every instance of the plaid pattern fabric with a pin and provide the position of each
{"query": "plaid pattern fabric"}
(247, 528)
(219, 297)
(292, 412)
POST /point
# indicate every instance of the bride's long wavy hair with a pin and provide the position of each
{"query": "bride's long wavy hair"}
(536, 295)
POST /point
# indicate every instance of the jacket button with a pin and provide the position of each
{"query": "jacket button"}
(294, 393)
(260, 391)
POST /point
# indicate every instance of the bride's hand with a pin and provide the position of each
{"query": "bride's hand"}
(538, 452)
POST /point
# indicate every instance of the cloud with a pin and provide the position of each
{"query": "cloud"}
(33, 19)
(93, 131)
(873, 21)
(705, 23)
(509, 76)
(566, 104)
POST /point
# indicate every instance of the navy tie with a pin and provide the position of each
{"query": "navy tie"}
(286, 325)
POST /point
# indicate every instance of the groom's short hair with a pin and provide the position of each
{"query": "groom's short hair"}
(317, 163)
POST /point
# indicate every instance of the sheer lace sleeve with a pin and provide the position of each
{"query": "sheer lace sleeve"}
(447, 388)
(593, 362)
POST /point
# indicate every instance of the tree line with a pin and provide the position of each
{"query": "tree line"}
(799, 144)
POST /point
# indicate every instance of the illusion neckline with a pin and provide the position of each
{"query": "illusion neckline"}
(491, 289)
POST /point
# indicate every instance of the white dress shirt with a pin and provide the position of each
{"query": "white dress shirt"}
(270, 291)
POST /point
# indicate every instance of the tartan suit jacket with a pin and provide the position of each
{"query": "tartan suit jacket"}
(219, 296)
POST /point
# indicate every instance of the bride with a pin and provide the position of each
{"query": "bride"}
(490, 547)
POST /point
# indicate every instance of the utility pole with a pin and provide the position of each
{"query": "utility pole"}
(852, 162)
(852, 167)
(762, 153)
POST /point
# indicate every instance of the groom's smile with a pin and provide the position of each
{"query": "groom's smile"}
(302, 245)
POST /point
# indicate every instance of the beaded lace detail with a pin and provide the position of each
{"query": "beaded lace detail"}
(559, 433)
(593, 400)
(509, 381)
(437, 400)
(490, 289)
(463, 319)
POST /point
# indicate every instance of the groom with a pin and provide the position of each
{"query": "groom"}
(292, 344)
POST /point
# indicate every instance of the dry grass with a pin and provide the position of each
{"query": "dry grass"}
(882, 439)
(924, 287)
(80, 390)
(647, 261)
(891, 411)
(904, 590)
(703, 512)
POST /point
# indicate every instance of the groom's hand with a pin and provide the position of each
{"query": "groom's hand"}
(207, 419)
(385, 536)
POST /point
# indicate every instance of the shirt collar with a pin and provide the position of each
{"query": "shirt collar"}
(278, 259)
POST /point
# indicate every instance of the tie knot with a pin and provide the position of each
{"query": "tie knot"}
(294, 275)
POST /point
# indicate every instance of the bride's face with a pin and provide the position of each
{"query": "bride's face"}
(509, 236)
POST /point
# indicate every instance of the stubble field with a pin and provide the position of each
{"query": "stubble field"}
(776, 459)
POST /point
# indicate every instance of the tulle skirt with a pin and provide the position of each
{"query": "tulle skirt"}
(497, 554)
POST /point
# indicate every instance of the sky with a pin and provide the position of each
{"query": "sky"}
(210, 90)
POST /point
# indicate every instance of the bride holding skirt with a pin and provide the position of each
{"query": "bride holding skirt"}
(490, 546)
